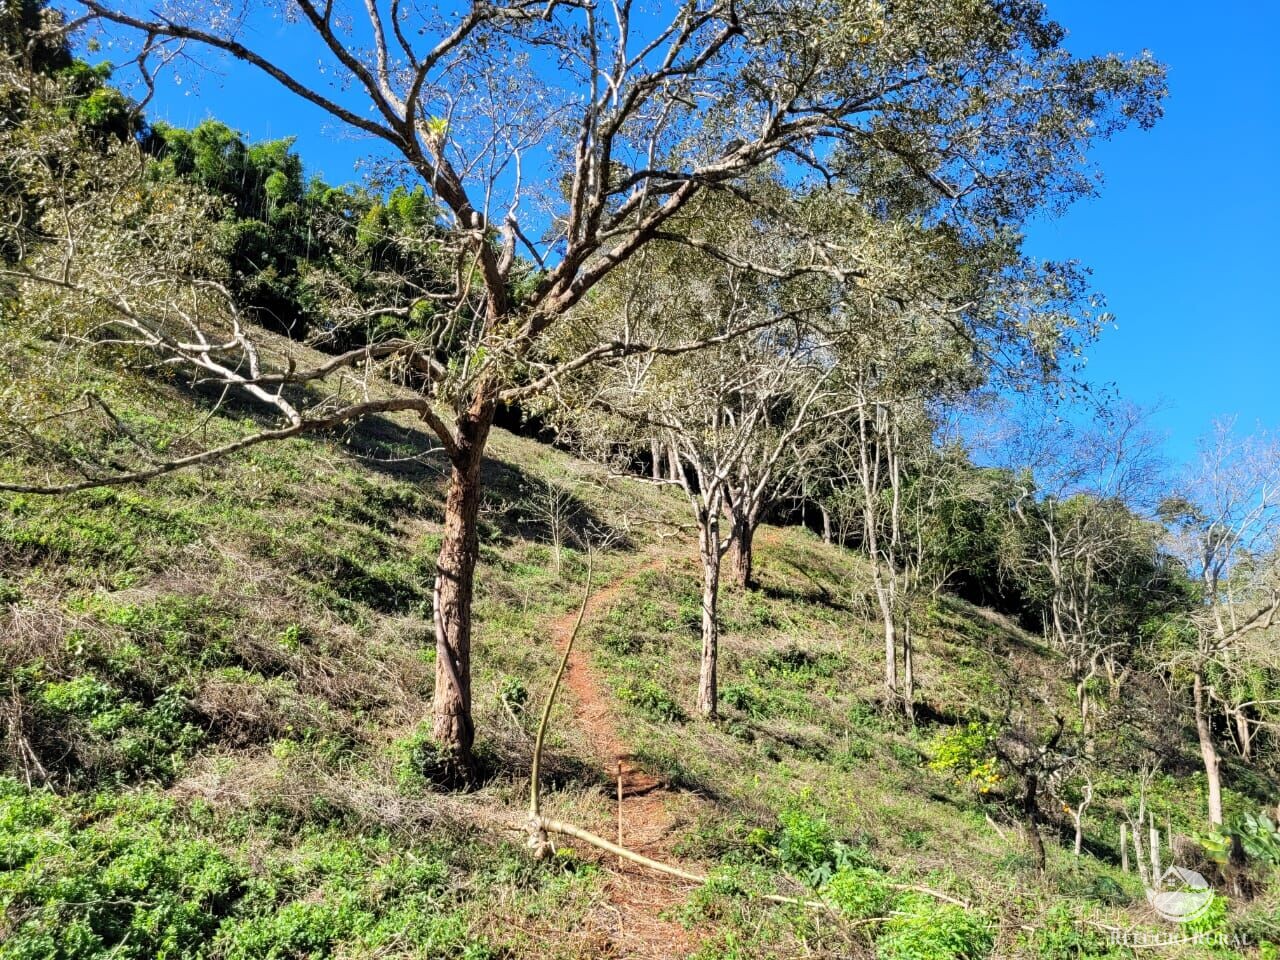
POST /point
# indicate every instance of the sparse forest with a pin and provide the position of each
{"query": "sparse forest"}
(658, 510)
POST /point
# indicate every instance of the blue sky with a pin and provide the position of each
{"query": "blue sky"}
(1181, 240)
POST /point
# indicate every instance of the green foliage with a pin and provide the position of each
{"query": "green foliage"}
(807, 845)
(420, 763)
(805, 841)
(513, 692)
(1060, 937)
(1259, 837)
(134, 878)
(650, 698)
(968, 753)
(860, 892)
(924, 929)
(132, 885)
(1212, 919)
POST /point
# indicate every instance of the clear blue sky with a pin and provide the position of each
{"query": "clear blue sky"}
(1181, 239)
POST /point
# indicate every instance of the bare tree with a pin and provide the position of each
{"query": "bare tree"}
(729, 416)
(546, 187)
(553, 506)
(1225, 528)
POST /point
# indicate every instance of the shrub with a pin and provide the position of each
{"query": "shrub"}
(650, 699)
(748, 698)
(1060, 937)
(420, 763)
(126, 887)
(924, 929)
(805, 841)
(860, 892)
(513, 692)
(968, 753)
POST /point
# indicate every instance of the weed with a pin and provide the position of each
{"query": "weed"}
(923, 929)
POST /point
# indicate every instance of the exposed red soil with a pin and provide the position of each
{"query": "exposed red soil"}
(637, 896)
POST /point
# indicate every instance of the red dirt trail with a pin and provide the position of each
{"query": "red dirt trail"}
(637, 896)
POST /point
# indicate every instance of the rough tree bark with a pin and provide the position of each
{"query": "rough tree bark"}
(744, 531)
(452, 724)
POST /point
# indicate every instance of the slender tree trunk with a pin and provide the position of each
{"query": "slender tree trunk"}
(826, 524)
(890, 638)
(453, 728)
(744, 531)
(655, 450)
(908, 673)
(708, 699)
(1208, 750)
(675, 470)
(1031, 820)
(1244, 733)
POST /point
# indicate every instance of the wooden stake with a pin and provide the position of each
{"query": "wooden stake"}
(620, 809)
(1124, 847)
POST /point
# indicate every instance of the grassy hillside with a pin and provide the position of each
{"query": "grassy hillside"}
(212, 690)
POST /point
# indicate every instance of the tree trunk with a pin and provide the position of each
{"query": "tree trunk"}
(890, 639)
(908, 674)
(826, 524)
(1031, 820)
(453, 728)
(655, 451)
(744, 531)
(675, 471)
(708, 699)
(1244, 733)
(1208, 751)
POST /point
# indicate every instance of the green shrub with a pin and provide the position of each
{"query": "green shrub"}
(795, 663)
(921, 928)
(107, 735)
(1061, 937)
(805, 841)
(860, 892)
(747, 697)
(968, 754)
(420, 763)
(513, 692)
(651, 699)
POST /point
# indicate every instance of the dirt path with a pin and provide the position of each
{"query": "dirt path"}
(637, 896)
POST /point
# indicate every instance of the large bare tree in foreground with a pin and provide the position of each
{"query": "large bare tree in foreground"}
(558, 138)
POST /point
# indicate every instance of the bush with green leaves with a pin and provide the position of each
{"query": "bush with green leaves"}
(921, 928)
(861, 893)
(808, 847)
(1060, 936)
(651, 699)
(132, 884)
(968, 754)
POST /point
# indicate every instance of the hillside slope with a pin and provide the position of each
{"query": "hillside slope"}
(212, 690)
